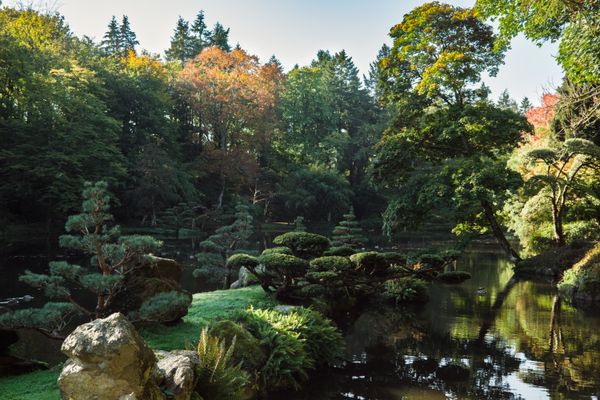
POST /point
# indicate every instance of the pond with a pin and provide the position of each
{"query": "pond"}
(516, 338)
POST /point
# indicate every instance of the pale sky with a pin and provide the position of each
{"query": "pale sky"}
(294, 30)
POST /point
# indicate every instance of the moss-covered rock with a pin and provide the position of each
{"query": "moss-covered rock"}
(247, 351)
(581, 283)
(453, 277)
(303, 244)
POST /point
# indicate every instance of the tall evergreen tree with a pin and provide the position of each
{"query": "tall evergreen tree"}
(199, 34)
(128, 37)
(111, 43)
(182, 43)
(219, 37)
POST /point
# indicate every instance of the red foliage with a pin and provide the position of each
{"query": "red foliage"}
(540, 117)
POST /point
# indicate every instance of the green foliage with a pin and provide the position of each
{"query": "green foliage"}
(331, 263)
(343, 251)
(395, 259)
(112, 257)
(299, 224)
(248, 352)
(284, 265)
(298, 341)
(303, 244)
(277, 250)
(575, 24)
(53, 317)
(160, 307)
(348, 232)
(216, 377)
(242, 260)
(370, 263)
(218, 247)
(405, 290)
(581, 283)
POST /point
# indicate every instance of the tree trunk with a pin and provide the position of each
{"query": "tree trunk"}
(557, 220)
(498, 232)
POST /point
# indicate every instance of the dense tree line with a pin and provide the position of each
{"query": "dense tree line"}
(211, 126)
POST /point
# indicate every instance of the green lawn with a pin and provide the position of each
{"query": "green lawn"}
(206, 307)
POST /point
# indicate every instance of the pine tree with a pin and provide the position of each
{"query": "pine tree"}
(182, 43)
(348, 232)
(525, 105)
(274, 61)
(128, 37)
(199, 34)
(219, 37)
(222, 244)
(112, 256)
(111, 44)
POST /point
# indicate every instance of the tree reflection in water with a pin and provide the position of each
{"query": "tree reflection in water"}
(518, 341)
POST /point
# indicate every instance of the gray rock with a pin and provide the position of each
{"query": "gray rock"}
(108, 360)
(176, 373)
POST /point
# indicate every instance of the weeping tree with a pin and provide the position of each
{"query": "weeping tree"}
(112, 256)
(559, 172)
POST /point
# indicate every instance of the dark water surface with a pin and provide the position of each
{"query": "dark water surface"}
(518, 340)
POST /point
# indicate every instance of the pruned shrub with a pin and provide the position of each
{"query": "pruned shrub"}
(277, 250)
(343, 251)
(370, 263)
(331, 263)
(395, 259)
(405, 290)
(284, 265)
(242, 260)
(303, 244)
(248, 352)
(165, 306)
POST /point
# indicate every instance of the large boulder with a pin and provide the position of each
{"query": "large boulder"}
(108, 360)
(176, 373)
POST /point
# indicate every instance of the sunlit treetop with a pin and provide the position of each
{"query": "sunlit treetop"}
(576, 23)
(439, 51)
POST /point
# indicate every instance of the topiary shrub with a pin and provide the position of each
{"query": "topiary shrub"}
(370, 263)
(165, 307)
(248, 351)
(453, 277)
(331, 263)
(217, 377)
(277, 250)
(405, 290)
(279, 271)
(343, 251)
(303, 244)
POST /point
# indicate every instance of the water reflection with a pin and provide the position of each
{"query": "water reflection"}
(516, 340)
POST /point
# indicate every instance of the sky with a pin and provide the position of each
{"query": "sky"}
(294, 30)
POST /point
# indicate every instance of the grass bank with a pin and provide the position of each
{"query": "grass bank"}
(206, 307)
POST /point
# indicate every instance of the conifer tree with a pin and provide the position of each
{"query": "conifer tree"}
(182, 43)
(199, 34)
(112, 256)
(128, 37)
(348, 232)
(219, 37)
(222, 244)
(111, 43)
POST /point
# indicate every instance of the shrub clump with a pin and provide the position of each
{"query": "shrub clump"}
(405, 290)
(277, 250)
(248, 351)
(165, 306)
(370, 263)
(303, 244)
(343, 251)
(298, 340)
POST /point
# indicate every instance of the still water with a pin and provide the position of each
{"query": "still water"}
(516, 339)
